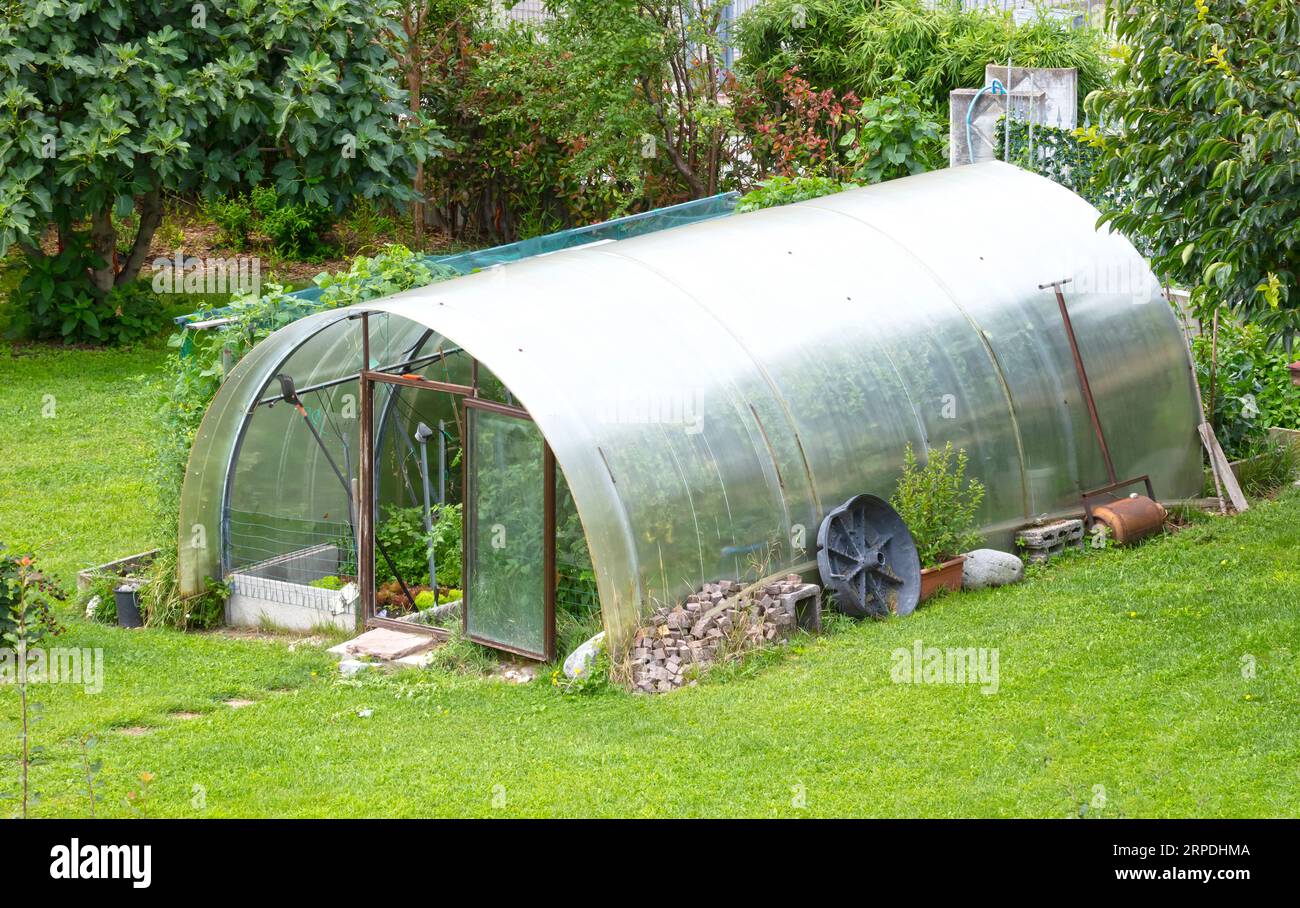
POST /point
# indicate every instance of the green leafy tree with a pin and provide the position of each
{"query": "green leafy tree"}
(1202, 129)
(636, 89)
(107, 106)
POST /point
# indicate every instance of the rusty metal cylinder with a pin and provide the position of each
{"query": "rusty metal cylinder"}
(1131, 519)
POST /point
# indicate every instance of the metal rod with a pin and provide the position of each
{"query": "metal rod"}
(335, 382)
(366, 467)
(548, 550)
(1007, 137)
(422, 437)
(1084, 385)
(442, 461)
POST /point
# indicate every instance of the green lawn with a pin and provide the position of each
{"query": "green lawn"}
(1120, 669)
(77, 430)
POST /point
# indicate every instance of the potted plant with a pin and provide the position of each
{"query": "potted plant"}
(938, 505)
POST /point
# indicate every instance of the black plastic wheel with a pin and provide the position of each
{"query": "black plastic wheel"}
(865, 553)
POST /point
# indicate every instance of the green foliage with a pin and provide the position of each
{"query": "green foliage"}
(295, 230)
(1065, 156)
(893, 136)
(27, 599)
(233, 216)
(1201, 129)
(328, 583)
(54, 300)
(1268, 466)
(605, 107)
(134, 312)
(425, 598)
(392, 270)
(1251, 390)
(106, 106)
(784, 190)
(861, 45)
(100, 592)
(938, 504)
(402, 535)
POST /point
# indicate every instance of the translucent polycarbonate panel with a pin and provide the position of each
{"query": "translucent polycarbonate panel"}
(259, 484)
(200, 540)
(710, 392)
(505, 597)
(889, 360)
(1127, 334)
(399, 475)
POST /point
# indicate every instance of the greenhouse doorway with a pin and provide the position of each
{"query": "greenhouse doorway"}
(509, 494)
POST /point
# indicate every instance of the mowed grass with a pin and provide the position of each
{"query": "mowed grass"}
(77, 433)
(1121, 690)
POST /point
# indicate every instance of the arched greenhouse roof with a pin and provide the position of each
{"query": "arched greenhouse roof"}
(710, 391)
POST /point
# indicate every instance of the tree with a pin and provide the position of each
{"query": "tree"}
(637, 87)
(1201, 129)
(423, 35)
(107, 107)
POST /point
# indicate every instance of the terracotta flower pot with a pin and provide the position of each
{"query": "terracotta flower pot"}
(946, 576)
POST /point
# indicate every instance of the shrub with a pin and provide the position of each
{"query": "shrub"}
(1267, 467)
(233, 217)
(893, 136)
(784, 190)
(134, 313)
(53, 302)
(938, 504)
(26, 601)
(793, 129)
(297, 231)
(1251, 390)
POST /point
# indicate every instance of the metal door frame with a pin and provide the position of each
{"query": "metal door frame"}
(548, 532)
(469, 395)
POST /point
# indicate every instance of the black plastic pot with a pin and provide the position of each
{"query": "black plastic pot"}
(128, 606)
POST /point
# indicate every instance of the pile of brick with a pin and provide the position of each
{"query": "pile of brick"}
(724, 618)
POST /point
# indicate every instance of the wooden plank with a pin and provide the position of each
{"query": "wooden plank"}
(1219, 464)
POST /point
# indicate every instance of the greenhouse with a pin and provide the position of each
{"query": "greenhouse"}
(627, 419)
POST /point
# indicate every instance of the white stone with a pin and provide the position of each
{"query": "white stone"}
(989, 567)
(579, 662)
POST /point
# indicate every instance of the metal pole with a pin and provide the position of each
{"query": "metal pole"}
(442, 462)
(1084, 386)
(1007, 125)
(422, 433)
(366, 467)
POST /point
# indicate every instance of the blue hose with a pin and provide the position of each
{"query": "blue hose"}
(996, 88)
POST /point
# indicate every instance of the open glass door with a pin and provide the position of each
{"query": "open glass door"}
(509, 532)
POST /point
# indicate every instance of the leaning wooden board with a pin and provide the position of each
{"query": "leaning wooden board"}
(1222, 469)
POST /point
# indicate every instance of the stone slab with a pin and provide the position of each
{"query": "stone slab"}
(383, 643)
